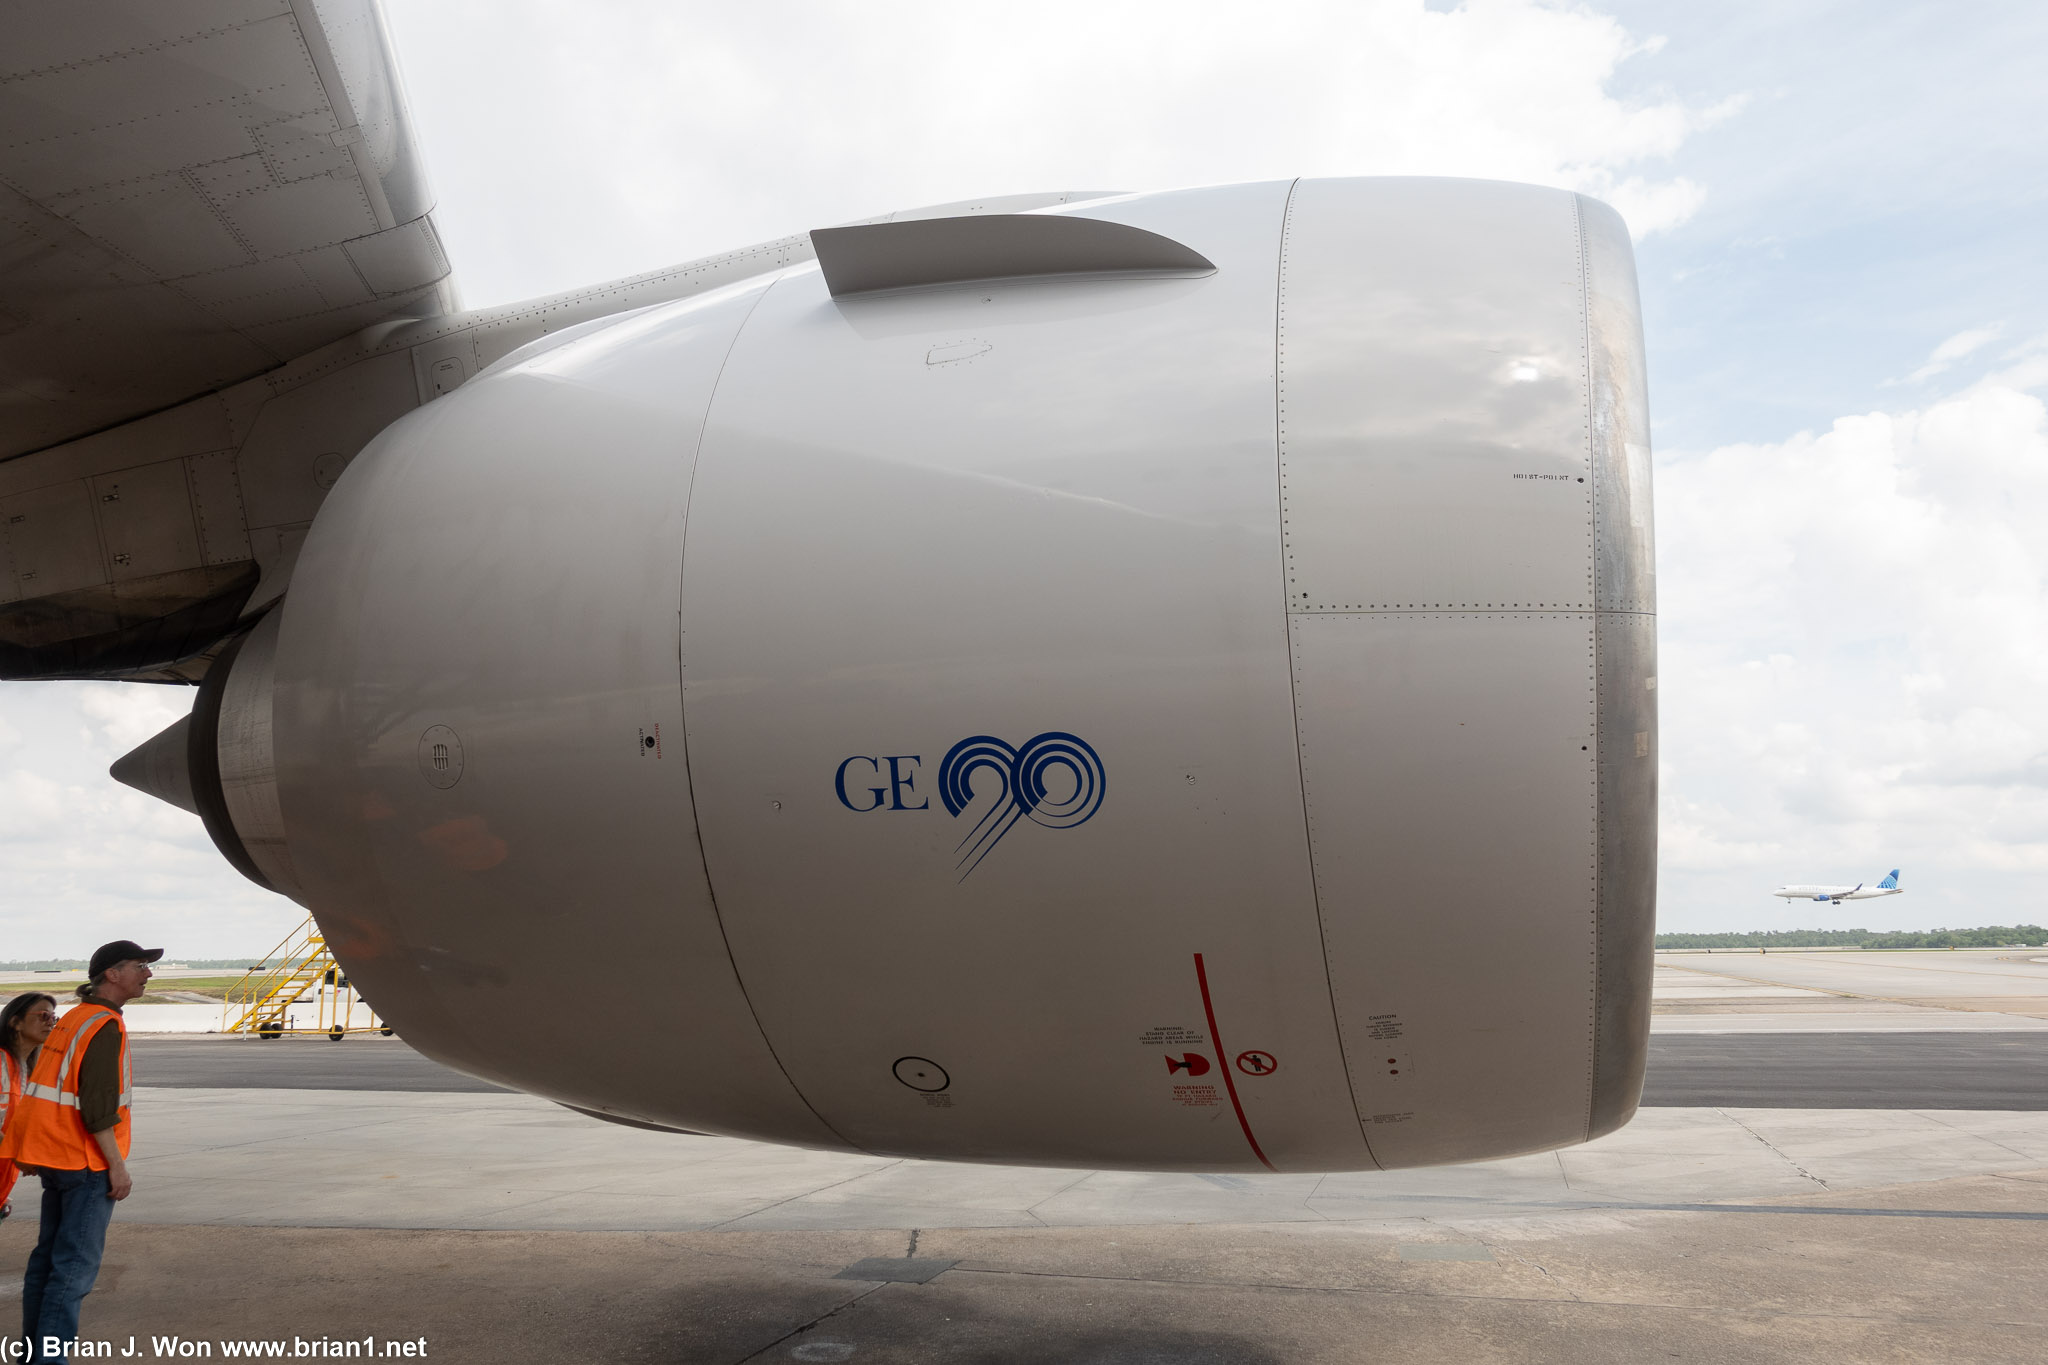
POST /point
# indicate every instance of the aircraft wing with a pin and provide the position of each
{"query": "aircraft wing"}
(195, 192)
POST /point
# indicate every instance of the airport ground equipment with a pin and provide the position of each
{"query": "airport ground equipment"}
(1157, 680)
(270, 998)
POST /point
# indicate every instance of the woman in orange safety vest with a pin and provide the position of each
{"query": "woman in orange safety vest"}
(25, 1024)
(44, 1131)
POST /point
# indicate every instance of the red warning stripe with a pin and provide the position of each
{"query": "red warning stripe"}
(1223, 1062)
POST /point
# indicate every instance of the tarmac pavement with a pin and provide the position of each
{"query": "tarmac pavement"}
(1968, 1284)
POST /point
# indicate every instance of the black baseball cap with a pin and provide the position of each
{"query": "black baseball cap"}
(119, 951)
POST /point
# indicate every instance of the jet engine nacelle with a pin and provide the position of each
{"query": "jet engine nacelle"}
(1171, 692)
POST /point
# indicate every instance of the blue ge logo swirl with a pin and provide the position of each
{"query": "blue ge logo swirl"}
(1024, 793)
(1054, 780)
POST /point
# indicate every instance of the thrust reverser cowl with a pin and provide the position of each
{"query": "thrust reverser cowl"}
(1198, 720)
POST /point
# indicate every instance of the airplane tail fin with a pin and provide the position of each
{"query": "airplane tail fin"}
(1891, 880)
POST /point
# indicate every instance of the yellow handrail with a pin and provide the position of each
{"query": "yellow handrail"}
(259, 1001)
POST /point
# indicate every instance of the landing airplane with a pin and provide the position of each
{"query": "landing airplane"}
(1859, 892)
(1057, 678)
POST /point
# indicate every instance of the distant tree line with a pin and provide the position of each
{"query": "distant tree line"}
(79, 964)
(1992, 936)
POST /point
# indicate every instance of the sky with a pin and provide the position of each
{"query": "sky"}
(1839, 212)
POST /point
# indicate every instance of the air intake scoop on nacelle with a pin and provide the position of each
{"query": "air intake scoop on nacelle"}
(997, 246)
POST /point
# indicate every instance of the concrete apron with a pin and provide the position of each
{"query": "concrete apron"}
(1964, 1278)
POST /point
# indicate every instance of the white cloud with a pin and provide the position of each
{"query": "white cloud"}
(639, 133)
(1958, 347)
(1855, 641)
(1651, 206)
(84, 860)
(125, 716)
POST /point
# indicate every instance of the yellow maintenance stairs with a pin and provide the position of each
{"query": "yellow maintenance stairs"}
(270, 998)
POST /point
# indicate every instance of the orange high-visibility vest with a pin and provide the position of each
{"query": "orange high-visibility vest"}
(10, 1086)
(43, 1126)
(10, 1091)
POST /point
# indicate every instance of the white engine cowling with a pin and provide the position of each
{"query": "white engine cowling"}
(1190, 719)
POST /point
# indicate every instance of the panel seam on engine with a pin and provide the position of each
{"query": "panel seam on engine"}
(1287, 615)
(1593, 491)
(689, 774)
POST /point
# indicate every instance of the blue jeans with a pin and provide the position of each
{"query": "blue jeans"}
(66, 1261)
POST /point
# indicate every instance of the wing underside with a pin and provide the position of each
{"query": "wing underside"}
(193, 192)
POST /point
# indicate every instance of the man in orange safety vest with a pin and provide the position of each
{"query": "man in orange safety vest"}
(70, 1127)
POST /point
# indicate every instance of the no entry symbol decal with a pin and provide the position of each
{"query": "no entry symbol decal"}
(1257, 1063)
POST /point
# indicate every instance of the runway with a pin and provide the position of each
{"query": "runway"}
(1809, 1070)
(2005, 1071)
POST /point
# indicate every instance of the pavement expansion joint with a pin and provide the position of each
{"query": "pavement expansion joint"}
(809, 1350)
(1809, 1175)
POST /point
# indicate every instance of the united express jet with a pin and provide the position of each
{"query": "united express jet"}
(1859, 892)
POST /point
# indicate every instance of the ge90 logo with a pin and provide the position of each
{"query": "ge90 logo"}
(1055, 780)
